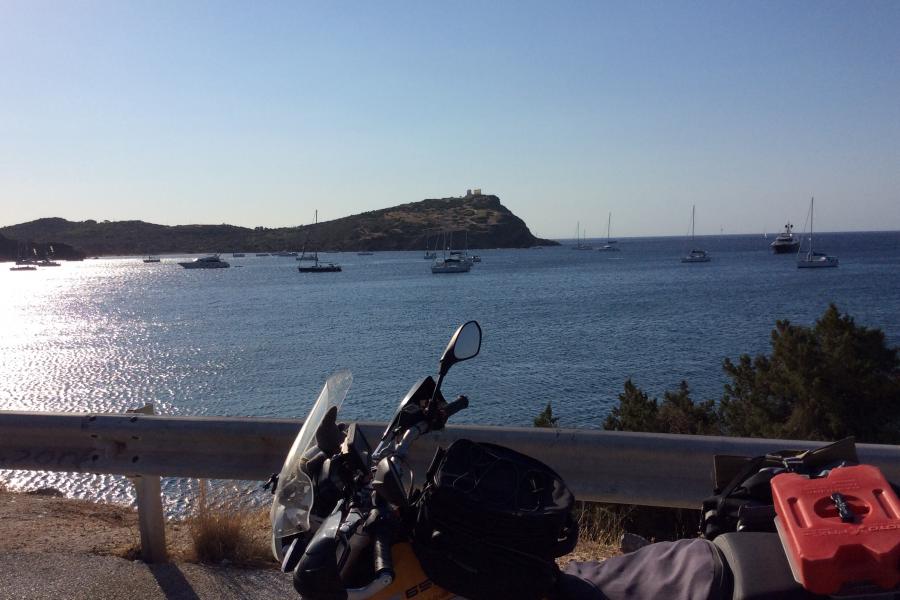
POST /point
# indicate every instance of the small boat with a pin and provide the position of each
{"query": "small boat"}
(316, 267)
(786, 242)
(579, 239)
(46, 262)
(365, 253)
(451, 265)
(610, 245)
(476, 258)
(23, 268)
(456, 262)
(262, 253)
(206, 262)
(285, 253)
(695, 255)
(320, 268)
(814, 260)
(237, 255)
(151, 259)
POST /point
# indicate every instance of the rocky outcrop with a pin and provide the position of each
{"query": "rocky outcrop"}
(481, 218)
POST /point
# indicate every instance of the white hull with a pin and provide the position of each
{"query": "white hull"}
(444, 267)
(817, 262)
(221, 265)
(209, 262)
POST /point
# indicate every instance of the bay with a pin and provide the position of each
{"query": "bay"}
(560, 326)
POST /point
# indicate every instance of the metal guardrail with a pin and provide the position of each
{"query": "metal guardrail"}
(602, 466)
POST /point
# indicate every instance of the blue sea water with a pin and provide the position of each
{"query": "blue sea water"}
(561, 326)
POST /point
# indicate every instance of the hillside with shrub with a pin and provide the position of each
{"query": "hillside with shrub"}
(487, 223)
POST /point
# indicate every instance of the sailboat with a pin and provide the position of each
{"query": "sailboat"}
(316, 267)
(455, 263)
(579, 239)
(813, 260)
(610, 245)
(313, 256)
(22, 263)
(46, 261)
(430, 254)
(695, 255)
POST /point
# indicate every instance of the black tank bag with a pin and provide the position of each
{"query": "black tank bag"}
(745, 502)
(491, 520)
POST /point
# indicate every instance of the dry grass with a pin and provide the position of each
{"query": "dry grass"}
(600, 528)
(231, 533)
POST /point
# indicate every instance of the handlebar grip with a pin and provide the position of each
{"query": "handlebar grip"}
(457, 405)
(384, 562)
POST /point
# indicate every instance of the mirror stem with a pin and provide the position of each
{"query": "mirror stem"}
(437, 387)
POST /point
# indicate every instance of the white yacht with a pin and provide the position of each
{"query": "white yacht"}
(785, 242)
(206, 262)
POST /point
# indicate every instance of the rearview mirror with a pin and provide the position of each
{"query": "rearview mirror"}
(464, 344)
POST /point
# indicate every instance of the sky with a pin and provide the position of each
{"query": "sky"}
(260, 113)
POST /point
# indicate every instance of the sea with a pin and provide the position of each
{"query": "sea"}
(560, 326)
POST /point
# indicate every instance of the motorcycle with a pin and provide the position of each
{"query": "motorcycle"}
(349, 522)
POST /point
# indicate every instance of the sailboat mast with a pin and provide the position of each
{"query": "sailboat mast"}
(812, 211)
(608, 223)
(693, 207)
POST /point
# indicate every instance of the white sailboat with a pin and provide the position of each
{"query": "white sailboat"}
(813, 260)
(610, 245)
(579, 239)
(457, 262)
(695, 255)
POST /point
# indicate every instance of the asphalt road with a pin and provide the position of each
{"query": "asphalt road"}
(25, 575)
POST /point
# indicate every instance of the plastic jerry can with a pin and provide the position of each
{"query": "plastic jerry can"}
(839, 531)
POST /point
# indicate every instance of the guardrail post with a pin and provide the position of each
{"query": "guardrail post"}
(150, 519)
(151, 522)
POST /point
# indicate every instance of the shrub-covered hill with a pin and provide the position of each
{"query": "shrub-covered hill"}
(487, 222)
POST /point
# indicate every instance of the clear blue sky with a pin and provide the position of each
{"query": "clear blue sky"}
(258, 113)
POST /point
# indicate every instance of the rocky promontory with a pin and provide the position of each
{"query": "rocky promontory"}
(485, 221)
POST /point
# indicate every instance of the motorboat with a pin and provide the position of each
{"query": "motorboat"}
(320, 268)
(46, 262)
(814, 260)
(285, 253)
(23, 268)
(206, 262)
(695, 255)
(262, 254)
(786, 242)
(237, 255)
(151, 259)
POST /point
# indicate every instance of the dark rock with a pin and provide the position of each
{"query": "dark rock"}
(486, 222)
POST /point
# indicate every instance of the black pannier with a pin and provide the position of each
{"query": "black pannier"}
(491, 520)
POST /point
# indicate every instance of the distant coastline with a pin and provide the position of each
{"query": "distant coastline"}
(480, 221)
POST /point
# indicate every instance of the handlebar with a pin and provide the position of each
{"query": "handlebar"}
(384, 562)
(457, 405)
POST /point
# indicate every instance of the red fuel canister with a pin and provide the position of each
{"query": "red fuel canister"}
(840, 530)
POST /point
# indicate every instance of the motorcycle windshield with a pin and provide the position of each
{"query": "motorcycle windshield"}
(294, 493)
